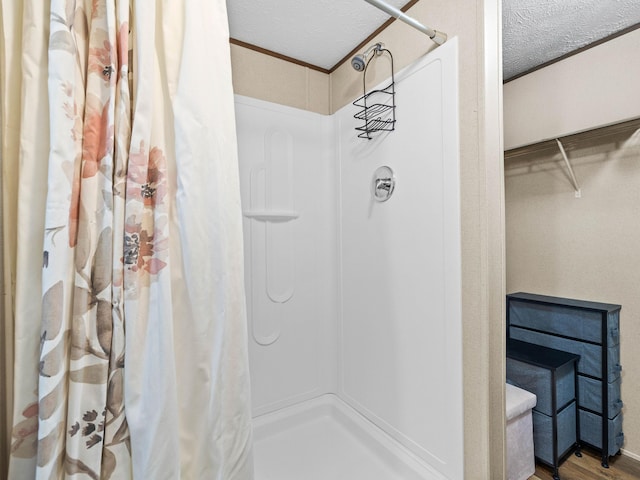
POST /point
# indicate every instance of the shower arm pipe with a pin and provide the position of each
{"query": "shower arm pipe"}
(437, 37)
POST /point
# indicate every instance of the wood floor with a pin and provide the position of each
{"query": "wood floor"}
(588, 468)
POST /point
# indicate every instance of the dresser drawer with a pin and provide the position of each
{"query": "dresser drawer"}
(591, 431)
(538, 381)
(543, 433)
(590, 397)
(570, 322)
(590, 355)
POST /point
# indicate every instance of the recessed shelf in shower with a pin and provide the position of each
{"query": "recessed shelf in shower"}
(273, 216)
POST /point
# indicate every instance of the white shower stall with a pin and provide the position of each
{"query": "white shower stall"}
(354, 305)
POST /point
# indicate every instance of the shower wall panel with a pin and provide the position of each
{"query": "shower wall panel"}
(349, 295)
(289, 203)
(400, 329)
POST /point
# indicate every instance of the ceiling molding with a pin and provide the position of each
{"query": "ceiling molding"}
(575, 52)
(359, 47)
(362, 45)
(271, 53)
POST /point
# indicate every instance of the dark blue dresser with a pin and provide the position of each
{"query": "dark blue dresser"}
(588, 329)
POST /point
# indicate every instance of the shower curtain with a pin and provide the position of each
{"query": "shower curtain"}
(126, 253)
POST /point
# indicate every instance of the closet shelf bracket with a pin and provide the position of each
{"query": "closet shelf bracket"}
(572, 175)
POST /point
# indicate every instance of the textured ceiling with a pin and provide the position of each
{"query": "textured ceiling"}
(537, 31)
(322, 32)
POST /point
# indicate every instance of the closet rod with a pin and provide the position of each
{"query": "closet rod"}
(437, 37)
(574, 181)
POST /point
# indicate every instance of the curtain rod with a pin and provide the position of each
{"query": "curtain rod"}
(437, 37)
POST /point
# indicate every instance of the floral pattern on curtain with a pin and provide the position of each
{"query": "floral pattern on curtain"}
(128, 300)
(79, 421)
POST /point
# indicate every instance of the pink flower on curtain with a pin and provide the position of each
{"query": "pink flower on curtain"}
(143, 251)
(98, 136)
(98, 9)
(100, 62)
(147, 178)
(123, 45)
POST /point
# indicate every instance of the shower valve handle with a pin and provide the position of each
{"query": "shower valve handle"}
(384, 184)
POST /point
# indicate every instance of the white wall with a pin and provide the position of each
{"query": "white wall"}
(287, 166)
(394, 350)
(594, 88)
(400, 330)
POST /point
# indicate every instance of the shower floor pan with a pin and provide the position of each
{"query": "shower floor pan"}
(325, 439)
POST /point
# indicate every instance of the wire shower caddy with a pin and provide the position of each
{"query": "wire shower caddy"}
(378, 107)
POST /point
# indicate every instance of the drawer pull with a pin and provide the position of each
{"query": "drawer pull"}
(617, 368)
(618, 403)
